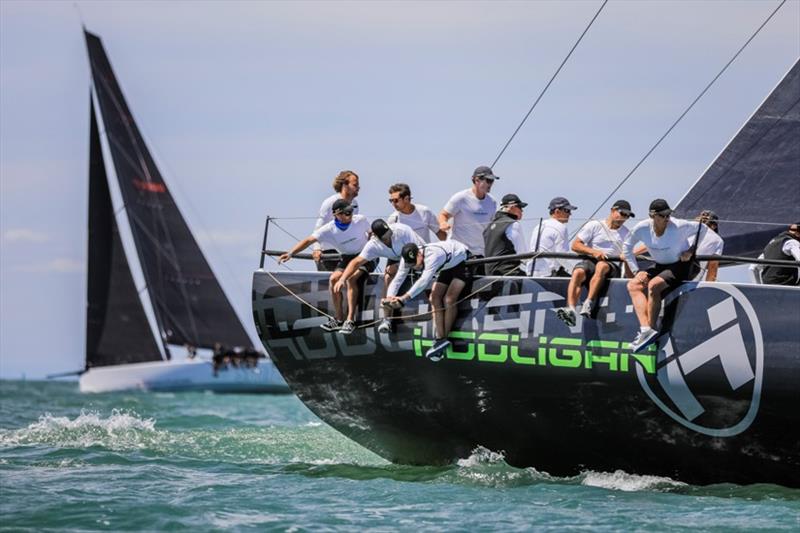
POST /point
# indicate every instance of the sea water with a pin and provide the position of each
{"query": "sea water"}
(164, 461)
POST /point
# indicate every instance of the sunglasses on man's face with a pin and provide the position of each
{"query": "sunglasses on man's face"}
(659, 215)
(396, 200)
(487, 180)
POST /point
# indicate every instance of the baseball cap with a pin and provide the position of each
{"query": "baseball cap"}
(380, 228)
(559, 202)
(341, 206)
(659, 206)
(484, 172)
(624, 207)
(512, 199)
(409, 252)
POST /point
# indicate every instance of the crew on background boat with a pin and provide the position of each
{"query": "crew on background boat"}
(387, 241)
(551, 236)
(503, 236)
(599, 239)
(668, 242)
(471, 210)
(444, 261)
(347, 234)
(784, 246)
(710, 244)
(346, 186)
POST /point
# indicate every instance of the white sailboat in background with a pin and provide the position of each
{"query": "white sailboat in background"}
(150, 290)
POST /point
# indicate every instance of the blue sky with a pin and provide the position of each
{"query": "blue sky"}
(251, 108)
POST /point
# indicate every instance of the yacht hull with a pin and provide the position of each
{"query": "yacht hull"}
(187, 375)
(714, 401)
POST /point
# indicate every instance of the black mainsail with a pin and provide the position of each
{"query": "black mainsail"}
(762, 165)
(188, 303)
(117, 330)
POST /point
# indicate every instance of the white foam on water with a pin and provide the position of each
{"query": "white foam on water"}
(481, 456)
(620, 480)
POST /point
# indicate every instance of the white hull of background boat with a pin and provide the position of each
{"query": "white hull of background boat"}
(186, 375)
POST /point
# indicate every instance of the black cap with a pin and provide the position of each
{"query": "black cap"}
(513, 199)
(484, 172)
(659, 206)
(380, 228)
(341, 206)
(559, 202)
(624, 207)
(409, 252)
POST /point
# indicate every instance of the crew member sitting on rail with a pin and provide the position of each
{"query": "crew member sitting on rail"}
(710, 244)
(503, 236)
(387, 241)
(551, 236)
(668, 242)
(445, 261)
(347, 234)
(784, 246)
(471, 210)
(599, 239)
(346, 186)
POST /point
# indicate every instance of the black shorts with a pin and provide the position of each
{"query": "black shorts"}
(327, 265)
(476, 270)
(367, 267)
(674, 273)
(457, 272)
(590, 265)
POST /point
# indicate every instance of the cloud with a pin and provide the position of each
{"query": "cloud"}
(57, 265)
(15, 235)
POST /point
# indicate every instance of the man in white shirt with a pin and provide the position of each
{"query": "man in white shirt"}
(444, 261)
(784, 246)
(503, 236)
(387, 241)
(346, 186)
(668, 242)
(598, 239)
(710, 244)
(551, 236)
(347, 234)
(471, 210)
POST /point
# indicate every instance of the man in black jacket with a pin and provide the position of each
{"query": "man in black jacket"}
(503, 236)
(784, 246)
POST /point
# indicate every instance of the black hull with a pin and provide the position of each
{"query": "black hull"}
(716, 401)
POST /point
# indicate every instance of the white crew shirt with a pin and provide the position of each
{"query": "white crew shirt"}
(553, 238)
(710, 244)
(347, 242)
(470, 216)
(598, 235)
(515, 235)
(421, 220)
(665, 249)
(792, 247)
(401, 235)
(438, 256)
(326, 212)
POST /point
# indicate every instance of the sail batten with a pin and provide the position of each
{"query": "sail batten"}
(760, 164)
(188, 302)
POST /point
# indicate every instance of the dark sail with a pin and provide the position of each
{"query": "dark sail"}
(754, 185)
(117, 330)
(188, 301)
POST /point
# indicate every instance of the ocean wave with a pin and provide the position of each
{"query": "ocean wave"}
(622, 481)
(121, 429)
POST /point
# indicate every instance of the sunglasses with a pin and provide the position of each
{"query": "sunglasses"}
(659, 215)
(625, 215)
(487, 180)
(396, 200)
(347, 213)
(565, 210)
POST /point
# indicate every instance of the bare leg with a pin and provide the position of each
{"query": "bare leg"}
(388, 276)
(637, 291)
(352, 294)
(437, 296)
(600, 273)
(656, 288)
(450, 301)
(336, 297)
(575, 284)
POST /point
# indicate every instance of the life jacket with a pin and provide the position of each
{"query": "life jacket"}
(775, 275)
(497, 243)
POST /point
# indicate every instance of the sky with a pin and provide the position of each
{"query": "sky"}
(251, 109)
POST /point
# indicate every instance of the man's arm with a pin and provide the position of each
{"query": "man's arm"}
(579, 247)
(351, 268)
(398, 279)
(711, 270)
(444, 224)
(300, 246)
(628, 251)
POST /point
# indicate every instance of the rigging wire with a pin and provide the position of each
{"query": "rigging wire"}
(674, 124)
(574, 46)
